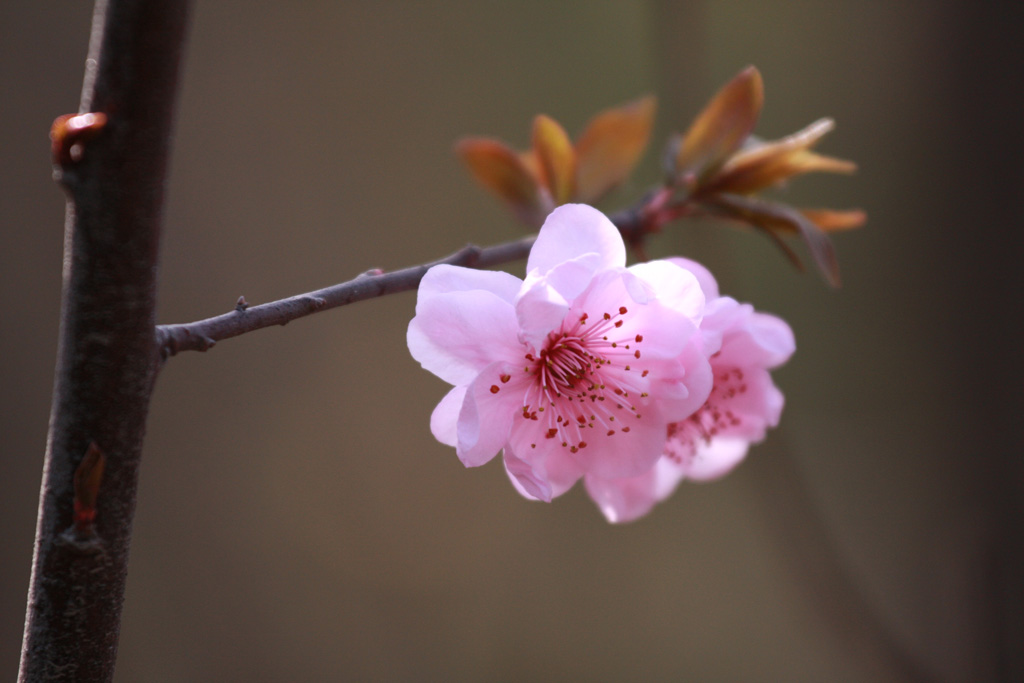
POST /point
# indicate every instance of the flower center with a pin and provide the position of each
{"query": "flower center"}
(584, 379)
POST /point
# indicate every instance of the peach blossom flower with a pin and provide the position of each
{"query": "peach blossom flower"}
(577, 370)
(743, 346)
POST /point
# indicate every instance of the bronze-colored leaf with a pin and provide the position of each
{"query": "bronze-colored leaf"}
(769, 216)
(722, 127)
(827, 220)
(502, 171)
(532, 163)
(805, 161)
(765, 164)
(610, 146)
(835, 221)
(554, 151)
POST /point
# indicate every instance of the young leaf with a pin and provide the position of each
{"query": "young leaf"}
(722, 127)
(610, 146)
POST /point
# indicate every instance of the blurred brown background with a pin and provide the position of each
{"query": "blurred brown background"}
(297, 522)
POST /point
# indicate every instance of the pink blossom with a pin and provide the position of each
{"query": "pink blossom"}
(743, 346)
(577, 370)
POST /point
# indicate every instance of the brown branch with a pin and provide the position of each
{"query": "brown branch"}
(202, 334)
(633, 222)
(111, 161)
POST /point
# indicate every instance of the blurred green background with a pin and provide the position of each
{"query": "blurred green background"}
(296, 520)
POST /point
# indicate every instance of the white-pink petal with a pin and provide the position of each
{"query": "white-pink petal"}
(540, 478)
(707, 281)
(443, 279)
(572, 230)
(716, 459)
(625, 454)
(627, 499)
(674, 286)
(445, 417)
(682, 390)
(540, 309)
(490, 405)
(456, 335)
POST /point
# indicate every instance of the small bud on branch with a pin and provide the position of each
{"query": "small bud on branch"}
(88, 477)
(69, 131)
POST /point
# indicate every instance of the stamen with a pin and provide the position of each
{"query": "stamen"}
(578, 363)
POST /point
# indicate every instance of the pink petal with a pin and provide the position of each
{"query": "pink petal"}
(526, 482)
(456, 335)
(721, 315)
(625, 454)
(572, 230)
(544, 300)
(445, 417)
(628, 499)
(716, 459)
(679, 392)
(486, 416)
(539, 311)
(621, 500)
(758, 407)
(444, 278)
(541, 478)
(572, 277)
(774, 336)
(761, 340)
(704, 277)
(675, 287)
(664, 330)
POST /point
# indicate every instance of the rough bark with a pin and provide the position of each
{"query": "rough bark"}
(107, 358)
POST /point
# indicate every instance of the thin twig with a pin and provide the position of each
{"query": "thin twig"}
(633, 223)
(202, 334)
